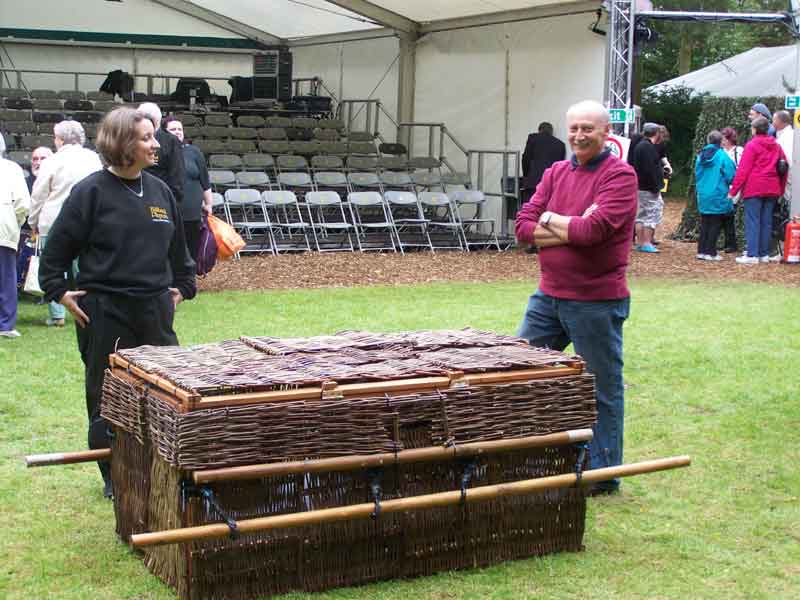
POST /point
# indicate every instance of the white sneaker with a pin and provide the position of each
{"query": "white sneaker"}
(747, 260)
(763, 259)
(701, 256)
(11, 333)
(714, 257)
(776, 259)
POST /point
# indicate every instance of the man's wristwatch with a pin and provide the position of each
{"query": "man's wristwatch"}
(544, 220)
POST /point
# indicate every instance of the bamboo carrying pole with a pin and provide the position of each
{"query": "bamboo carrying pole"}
(364, 461)
(360, 511)
(67, 458)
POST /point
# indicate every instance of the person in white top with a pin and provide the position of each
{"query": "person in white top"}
(57, 174)
(734, 152)
(14, 205)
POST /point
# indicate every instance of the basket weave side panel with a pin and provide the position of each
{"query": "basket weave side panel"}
(130, 473)
(124, 405)
(395, 545)
(165, 511)
(270, 432)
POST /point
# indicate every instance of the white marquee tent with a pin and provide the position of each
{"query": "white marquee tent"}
(491, 70)
(757, 72)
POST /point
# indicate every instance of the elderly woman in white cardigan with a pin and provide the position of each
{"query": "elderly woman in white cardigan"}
(57, 174)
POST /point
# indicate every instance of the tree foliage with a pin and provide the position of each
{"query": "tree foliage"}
(678, 109)
(686, 46)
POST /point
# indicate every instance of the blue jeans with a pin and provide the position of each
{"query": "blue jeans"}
(758, 224)
(595, 330)
(54, 309)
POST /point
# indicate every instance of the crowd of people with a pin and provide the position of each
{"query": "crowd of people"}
(752, 180)
(110, 229)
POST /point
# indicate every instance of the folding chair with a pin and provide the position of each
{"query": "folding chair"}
(218, 206)
(364, 182)
(363, 148)
(282, 122)
(371, 217)
(71, 95)
(396, 180)
(427, 180)
(323, 162)
(289, 163)
(219, 119)
(337, 124)
(272, 133)
(247, 214)
(257, 180)
(242, 133)
(327, 218)
(331, 180)
(326, 135)
(304, 123)
(360, 136)
(259, 162)
(215, 132)
(363, 164)
(275, 148)
(188, 120)
(254, 121)
(221, 180)
(240, 146)
(474, 199)
(441, 216)
(409, 221)
(230, 162)
(286, 220)
(45, 94)
(392, 163)
(424, 162)
(305, 148)
(192, 132)
(298, 182)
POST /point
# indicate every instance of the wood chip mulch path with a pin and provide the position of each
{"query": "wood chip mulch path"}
(313, 270)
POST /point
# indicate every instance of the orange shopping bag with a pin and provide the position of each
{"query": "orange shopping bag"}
(228, 241)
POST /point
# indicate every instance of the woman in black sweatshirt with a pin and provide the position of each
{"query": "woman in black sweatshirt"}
(123, 227)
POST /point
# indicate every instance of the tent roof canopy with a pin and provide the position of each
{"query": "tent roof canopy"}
(296, 19)
(756, 72)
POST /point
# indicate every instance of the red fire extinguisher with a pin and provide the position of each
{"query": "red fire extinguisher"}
(791, 243)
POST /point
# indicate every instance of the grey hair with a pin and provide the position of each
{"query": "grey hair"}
(592, 107)
(152, 112)
(651, 129)
(714, 137)
(70, 132)
(783, 116)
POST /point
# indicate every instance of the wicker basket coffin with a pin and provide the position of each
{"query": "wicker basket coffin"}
(176, 411)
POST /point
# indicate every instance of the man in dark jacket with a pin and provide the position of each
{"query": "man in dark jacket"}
(169, 166)
(646, 162)
(541, 151)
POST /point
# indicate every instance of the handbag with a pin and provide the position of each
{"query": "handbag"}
(228, 241)
(31, 285)
(781, 167)
(206, 248)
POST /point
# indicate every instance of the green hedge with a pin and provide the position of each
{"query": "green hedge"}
(717, 113)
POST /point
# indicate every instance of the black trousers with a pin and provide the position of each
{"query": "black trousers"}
(729, 228)
(192, 232)
(117, 322)
(710, 226)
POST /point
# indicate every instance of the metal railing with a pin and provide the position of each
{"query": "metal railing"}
(350, 109)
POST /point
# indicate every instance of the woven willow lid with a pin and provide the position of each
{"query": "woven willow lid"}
(256, 364)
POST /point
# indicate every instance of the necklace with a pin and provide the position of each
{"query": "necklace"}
(139, 194)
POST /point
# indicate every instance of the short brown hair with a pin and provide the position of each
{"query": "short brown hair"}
(116, 136)
(760, 125)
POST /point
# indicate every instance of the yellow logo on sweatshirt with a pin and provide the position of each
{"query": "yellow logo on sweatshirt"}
(158, 214)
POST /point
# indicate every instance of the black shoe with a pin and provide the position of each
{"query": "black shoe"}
(731, 250)
(108, 489)
(656, 242)
(599, 490)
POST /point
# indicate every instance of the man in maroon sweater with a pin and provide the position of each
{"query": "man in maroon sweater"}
(581, 218)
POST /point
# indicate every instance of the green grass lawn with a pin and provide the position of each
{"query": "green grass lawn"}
(711, 372)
